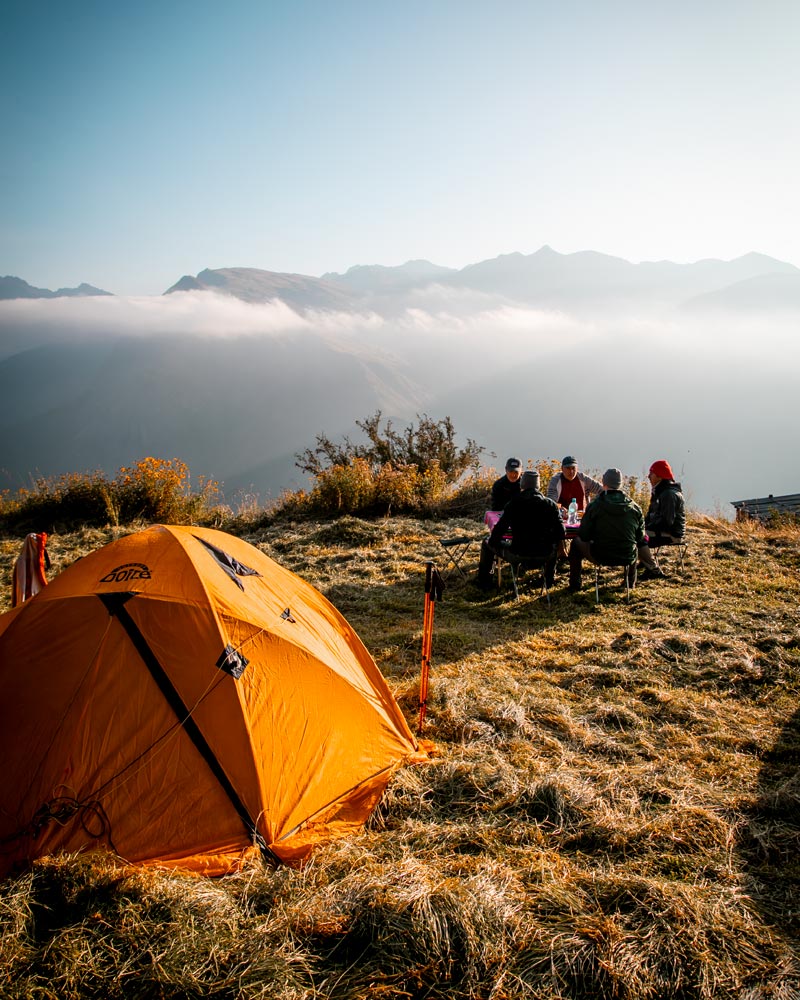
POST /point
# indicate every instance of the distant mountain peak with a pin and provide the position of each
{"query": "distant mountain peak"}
(250, 284)
(12, 287)
(367, 279)
(82, 290)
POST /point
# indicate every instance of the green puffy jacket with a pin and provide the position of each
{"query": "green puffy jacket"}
(614, 525)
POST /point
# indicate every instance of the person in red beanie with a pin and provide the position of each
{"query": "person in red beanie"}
(665, 522)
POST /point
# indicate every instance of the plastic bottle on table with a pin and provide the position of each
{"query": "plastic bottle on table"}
(572, 513)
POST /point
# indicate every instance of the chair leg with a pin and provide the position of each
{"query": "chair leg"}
(630, 573)
(498, 571)
(680, 549)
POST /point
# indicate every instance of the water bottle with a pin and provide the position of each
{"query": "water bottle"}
(572, 513)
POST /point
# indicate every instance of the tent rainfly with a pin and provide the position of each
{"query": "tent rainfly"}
(179, 698)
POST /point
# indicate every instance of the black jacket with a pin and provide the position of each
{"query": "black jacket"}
(503, 490)
(666, 514)
(533, 522)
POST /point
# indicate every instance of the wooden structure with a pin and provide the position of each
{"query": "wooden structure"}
(762, 508)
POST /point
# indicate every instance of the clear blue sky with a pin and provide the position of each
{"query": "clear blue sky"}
(145, 141)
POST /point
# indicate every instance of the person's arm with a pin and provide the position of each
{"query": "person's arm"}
(669, 512)
(559, 531)
(639, 527)
(658, 517)
(501, 528)
(591, 486)
(497, 495)
(554, 487)
(587, 522)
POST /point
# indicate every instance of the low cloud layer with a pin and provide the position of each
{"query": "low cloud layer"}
(441, 318)
(715, 394)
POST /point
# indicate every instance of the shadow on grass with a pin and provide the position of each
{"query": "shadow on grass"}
(769, 841)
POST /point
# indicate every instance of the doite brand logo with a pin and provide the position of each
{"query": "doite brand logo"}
(130, 571)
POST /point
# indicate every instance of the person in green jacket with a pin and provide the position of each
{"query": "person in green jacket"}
(611, 532)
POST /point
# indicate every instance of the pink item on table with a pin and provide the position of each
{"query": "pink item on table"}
(491, 517)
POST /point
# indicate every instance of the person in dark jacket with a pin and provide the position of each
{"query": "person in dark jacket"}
(506, 487)
(534, 524)
(611, 531)
(665, 522)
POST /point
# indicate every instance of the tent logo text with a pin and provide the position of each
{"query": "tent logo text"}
(130, 571)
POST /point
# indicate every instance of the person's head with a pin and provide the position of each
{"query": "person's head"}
(569, 467)
(529, 480)
(612, 479)
(660, 470)
(513, 469)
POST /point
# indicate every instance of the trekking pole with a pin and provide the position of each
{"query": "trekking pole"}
(434, 588)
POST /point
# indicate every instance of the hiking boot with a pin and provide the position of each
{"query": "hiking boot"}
(652, 573)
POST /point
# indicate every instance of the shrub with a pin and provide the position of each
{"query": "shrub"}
(397, 488)
(152, 489)
(65, 501)
(345, 489)
(157, 489)
(431, 444)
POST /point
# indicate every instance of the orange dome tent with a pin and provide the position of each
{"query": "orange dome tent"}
(180, 698)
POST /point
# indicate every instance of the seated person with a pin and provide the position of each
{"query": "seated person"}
(665, 522)
(503, 489)
(570, 484)
(611, 532)
(535, 526)
(506, 487)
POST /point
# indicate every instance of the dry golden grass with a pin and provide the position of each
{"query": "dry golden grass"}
(613, 809)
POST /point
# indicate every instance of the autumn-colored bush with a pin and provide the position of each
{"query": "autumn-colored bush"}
(428, 444)
(156, 489)
(153, 489)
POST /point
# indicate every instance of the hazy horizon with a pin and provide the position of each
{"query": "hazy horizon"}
(711, 393)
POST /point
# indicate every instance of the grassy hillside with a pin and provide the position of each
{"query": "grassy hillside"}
(613, 809)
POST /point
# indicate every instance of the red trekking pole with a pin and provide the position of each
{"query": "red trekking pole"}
(434, 588)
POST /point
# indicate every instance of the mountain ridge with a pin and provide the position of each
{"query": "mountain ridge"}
(543, 278)
(12, 287)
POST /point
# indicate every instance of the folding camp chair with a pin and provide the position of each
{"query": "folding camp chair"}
(629, 577)
(455, 551)
(680, 547)
(517, 563)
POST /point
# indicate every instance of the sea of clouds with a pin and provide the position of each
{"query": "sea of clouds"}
(715, 394)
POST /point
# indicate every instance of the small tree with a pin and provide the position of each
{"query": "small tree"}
(430, 444)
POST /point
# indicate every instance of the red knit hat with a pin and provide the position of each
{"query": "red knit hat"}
(661, 469)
